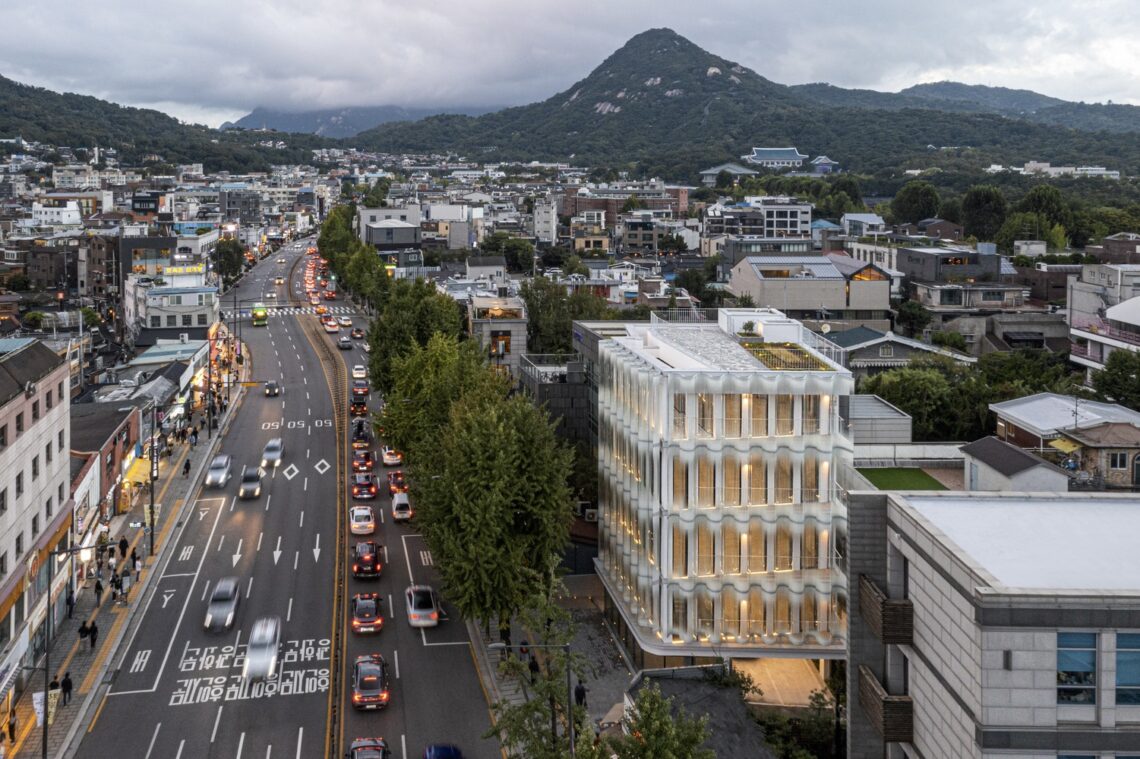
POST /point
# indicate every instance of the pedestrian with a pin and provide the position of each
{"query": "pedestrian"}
(123, 545)
(186, 469)
(70, 602)
(111, 562)
(84, 630)
(138, 568)
(12, 726)
(134, 556)
(193, 438)
(580, 694)
(54, 684)
(99, 564)
(93, 633)
(533, 666)
(114, 587)
(65, 686)
(98, 590)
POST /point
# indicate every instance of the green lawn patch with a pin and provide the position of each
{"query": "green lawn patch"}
(901, 479)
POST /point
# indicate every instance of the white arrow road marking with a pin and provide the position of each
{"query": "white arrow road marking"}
(166, 596)
(237, 553)
(277, 551)
(139, 663)
(317, 549)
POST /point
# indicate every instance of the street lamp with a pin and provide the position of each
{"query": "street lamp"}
(84, 556)
(500, 646)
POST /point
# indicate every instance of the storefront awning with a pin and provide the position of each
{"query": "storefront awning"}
(1064, 445)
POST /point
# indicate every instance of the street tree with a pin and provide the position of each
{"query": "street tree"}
(921, 392)
(916, 200)
(411, 313)
(517, 252)
(654, 730)
(912, 316)
(1119, 381)
(632, 203)
(983, 211)
(550, 312)
(229, 256)
(1046, 200)
(19, 283)
(1021, 226)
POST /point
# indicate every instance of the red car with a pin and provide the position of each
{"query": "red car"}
(397, 483)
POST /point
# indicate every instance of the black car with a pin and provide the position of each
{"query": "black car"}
(360, 389)
(370, 682)
(361, 438)
(368, 748)
(272, 389)
(358, 408)
(364, 485)
(366, 559)
(366, 613)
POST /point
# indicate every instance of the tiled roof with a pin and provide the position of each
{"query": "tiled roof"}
(1003, 457)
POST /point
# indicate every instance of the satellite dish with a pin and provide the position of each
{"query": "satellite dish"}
(825, 328)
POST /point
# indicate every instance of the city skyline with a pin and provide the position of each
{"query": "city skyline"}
(294, 56)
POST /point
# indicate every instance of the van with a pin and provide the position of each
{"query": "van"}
(402, 510)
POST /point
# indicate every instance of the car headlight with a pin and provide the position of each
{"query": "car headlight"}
(229, 619)
(209, 620)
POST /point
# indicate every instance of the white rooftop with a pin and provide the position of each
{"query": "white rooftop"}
(1127, 311)
(1044, 542)
(1046, 413)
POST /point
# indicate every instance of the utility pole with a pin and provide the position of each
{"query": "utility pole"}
(153, 465)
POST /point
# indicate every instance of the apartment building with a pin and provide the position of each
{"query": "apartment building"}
(774, 216)
(35, 507)
(718, 452)
(992, 625)
(1103, 313)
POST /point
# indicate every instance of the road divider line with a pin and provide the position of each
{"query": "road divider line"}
(217, 720)
(396, 659)
(241, 742)
(181, 745)
(289, 610)
(153, 738)
(300, 736)
(249, 587)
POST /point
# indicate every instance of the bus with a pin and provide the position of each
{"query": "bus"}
(260, 315)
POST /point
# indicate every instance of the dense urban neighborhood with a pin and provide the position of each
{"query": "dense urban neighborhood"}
(317, 446)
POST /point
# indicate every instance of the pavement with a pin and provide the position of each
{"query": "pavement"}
(607, 672)
(89, 665)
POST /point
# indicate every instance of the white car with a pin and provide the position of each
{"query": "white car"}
(362, 520)
(344, 321)
(423, 606)
(262, 649)
(402, 510)
(271, 295)
(366, 347)
(390, 456)
(359, 372)
(280, 260)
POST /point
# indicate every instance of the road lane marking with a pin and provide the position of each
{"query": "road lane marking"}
(237, 554)
(396, 659)
(241, 742)
(408, 558)
(296, 558)
(140, 660)
(221, 540)
(305, 485)
(425, 558)
(181, 744)
(260, 535)
(217, 719)
(268, 750)
(300, 735)
(180, 574)
(403, 746)
(289, 610)
(277, 551)
(268, 498)
(205, 590)
(317, 549)
(187, 552)
(249, 587)
(302, 518)
(153, 738)
(166, 596)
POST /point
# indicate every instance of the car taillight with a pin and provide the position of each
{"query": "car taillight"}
(384, 695)
(356, 623)
(356, 697)
(355, 567)
(433, 615)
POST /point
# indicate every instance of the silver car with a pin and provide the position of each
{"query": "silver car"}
(262, 649)
(220, 471)
(273, 453)
(250, 486)
(223, 604)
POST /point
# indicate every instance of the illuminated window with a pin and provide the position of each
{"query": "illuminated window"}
(680, 483)
(759, 415)
(732, 416)
(757, 548)
(680, 551)
(730, 547)
(706, 547)
(731, 481)
(705, 424)
(705, 478)
(758, 480)
(785, 420)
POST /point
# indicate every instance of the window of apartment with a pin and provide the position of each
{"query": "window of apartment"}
(759, 414)
(1128, 669)
(757, 548)
(35, 411)
(59, 492)
(678, 415)
(705, 424)
(705, 607)
(49, 400)
(706, 549)
(886, 351)
(4, 501)
(20, 423)
(4, 571)
(758, 480)
(732, 416)
(809, 545)
(730, 547)
(706, 475)
(731, 481)
(729, 613)
(171, 320)
(59, 390)
(811, 414)
(755, 612)
(783, 545)
(155, 322)
(187, 320)
(1118, 461)
(810, 482)
(201, 320)
(48, 508)
(59, 442)
(680, 483)
(784, 480)
(680, 617)
(1076, 668)
(19, 484)
(35, 467)
(19, 546)
(3, 436)
(35, 525)
(680, 551)
(785, 415)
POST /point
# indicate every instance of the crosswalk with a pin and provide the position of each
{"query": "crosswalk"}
(295, 311)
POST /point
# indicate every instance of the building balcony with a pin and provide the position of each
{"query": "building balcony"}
(1097, 330)
(891, 716)
(892, 620)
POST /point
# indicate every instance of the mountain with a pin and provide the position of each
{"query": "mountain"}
(338, 122)
(996, 99)
(662, 105)
(77, 121)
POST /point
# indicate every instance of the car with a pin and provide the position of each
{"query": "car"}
(344, 343)
(402, 510)
(359, 371)
(323, 310)
(368, 748)
(315, 301)
(370, 682)
(358, 408)
(366, 616)
(220, 471)
(279, 281)
(324, 282)
(262, 649)
(366, 347)
(222, 608)
(344, 321)
(442, 751)
(360, 388)
(330, 295)
(390, 456)
(250, 486)
(273, 452)
(331, 327)
(361, 520)
(272, 389)
(362, 461)
(357, 333)
(423, 606)
(271, 295)
(280, 260)
(361, 437)
(366, 559)
(397, 483)
(364, 485)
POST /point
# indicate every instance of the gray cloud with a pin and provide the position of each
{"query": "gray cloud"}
(212, 60)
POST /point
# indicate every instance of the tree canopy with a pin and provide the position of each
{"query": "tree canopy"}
(917, 200)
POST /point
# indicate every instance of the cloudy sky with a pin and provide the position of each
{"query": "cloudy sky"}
(212, 60)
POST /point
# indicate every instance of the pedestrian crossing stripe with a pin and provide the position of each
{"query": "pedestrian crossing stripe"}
(298, 311)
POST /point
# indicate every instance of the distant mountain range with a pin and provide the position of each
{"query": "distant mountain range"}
(339, 122)
(659, 105)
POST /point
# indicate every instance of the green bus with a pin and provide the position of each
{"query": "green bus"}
(260, 315)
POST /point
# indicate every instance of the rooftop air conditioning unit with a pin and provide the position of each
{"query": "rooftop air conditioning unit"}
(183, 337)
(591, 515)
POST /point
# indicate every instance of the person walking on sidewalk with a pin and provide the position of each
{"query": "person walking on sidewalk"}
(533, 666)
(186, 469)
(54, 684)
(98, 590)
(138, 568)
(70, 602)
(580, 694)
(123, 546)
(12, 726)
(65, 685)
(93, 633)
(84, 630)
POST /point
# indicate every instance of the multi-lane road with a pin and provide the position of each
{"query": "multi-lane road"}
(178, 690)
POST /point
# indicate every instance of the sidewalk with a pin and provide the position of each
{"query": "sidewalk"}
(607, 673)
(89, 665)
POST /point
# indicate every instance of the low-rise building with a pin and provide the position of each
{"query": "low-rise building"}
(776, 158)
(993, 464)
(1108, 453)
(869, 351)
(499, 324)
(1037, 421)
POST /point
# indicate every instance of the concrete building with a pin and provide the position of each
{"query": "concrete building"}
(993, 464)
(1036, 420)
(735, 248)
(392, 234)
(35, 506)
(768, 216)
(720, 526)
(1103, 313)
(545, 222)
(499, 324)
(974, 638)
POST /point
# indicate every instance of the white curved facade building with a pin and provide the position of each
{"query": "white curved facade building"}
(718, 521)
